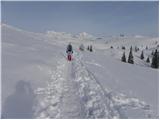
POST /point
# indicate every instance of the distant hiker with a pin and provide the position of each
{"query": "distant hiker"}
(91, 48)
(81, 47)
(69, 52)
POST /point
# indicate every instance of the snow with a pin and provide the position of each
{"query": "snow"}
(67, 36)
(85, 36)
(0, 80)
(38, 81)
(119, 77)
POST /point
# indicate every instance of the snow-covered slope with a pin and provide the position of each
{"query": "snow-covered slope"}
(38, 81)
(67, 36)
(85, 36)
(59, 35)
(26, 59)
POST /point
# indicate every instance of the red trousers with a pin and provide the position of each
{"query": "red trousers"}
(69, 57)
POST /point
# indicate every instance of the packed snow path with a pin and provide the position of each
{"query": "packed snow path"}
(74, 92)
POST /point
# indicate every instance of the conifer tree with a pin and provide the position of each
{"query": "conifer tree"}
(136, 48)
(88, 48)
(123, 59)
(155, 60)
(130, 57)
(152, 53)
(91, 48)
(148, 61)
(142, 55)
(123, 48)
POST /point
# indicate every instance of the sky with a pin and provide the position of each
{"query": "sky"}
(97, 18)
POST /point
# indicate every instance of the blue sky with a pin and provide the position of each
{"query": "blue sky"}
(98, 18)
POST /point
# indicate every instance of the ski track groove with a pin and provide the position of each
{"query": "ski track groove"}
(74, 92)
(103, 108)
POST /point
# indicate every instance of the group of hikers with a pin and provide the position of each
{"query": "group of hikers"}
(69, 50)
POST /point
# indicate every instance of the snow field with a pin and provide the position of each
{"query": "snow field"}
(94, 85)
(74, 92)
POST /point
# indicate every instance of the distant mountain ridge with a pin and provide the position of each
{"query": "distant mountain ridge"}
(83, 36)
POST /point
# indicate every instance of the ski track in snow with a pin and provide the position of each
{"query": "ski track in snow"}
(74, 92)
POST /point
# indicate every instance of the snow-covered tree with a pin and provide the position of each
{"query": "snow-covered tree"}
(155, 60)
(130, 57)
(123, 59)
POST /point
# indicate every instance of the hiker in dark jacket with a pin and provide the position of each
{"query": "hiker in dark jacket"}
(69, 48)
(69, 52)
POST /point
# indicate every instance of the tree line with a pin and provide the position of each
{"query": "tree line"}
(154, 54)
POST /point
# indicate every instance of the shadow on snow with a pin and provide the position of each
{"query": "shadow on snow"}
(20, 103)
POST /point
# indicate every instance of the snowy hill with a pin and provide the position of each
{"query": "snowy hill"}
(85, 36)
(68, 36)
(59, 35)
(39, 82)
